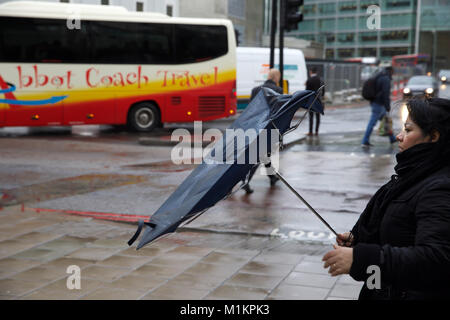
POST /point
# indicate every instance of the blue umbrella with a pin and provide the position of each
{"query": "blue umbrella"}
(215, 178)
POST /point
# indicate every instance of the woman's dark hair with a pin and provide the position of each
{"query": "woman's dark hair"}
(430, 115)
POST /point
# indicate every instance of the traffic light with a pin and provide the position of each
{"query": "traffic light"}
(293, 15)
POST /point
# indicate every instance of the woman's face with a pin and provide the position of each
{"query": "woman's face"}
(411, 135)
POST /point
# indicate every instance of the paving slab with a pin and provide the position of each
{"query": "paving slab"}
(136, 283)
(10, 266)
(96, 254)
(232, 292)
(294, 292)
(169, 292)
(310, 280)
(264, 268)
(346, 291)
(255, 280)
(112, 294)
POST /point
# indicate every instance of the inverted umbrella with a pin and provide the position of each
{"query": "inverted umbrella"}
(215, 178)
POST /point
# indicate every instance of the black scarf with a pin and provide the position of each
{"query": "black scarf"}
(413, 165)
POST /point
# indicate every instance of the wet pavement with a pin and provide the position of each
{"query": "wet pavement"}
(37, 249)
(58, 192)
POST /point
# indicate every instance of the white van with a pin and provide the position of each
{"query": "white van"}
(252, 66)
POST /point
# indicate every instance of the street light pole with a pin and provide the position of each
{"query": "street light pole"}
(281, 38)
(273, 28)
(419, 8)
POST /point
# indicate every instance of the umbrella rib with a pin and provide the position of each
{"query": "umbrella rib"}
(303, 200)
(304, 115)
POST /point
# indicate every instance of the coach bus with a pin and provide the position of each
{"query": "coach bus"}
(70, 64)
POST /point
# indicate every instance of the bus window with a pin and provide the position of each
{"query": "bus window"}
(40, 40)
(134, 43)
(195, 43)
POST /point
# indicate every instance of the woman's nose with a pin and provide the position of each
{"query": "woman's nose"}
(399, 137)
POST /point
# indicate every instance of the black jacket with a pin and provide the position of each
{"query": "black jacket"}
(268, 84)
(314, 83)
(414, 248)
(383, 90)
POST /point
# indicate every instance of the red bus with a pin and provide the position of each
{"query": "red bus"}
(406, 66)
(69, 64)
(411, 64)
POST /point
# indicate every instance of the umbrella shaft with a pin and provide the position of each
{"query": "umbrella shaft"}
(304, 201)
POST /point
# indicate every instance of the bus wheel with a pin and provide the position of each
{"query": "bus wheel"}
(144, 117)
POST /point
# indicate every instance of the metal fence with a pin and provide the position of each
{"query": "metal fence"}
(343, 80)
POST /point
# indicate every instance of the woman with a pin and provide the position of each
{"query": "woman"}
(405, 228)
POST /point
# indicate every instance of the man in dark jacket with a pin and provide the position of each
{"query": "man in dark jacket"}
(380, 105)
(273, 79)
(314, 83)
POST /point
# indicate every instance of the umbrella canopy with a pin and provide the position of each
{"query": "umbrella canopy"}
(215, 178)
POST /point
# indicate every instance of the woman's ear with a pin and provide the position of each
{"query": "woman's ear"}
(435, 135)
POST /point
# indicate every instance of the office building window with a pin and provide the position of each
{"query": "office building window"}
(398, 4)
(364, 4)
(347, 6)
(327, 8)
(367, 52)
(309, 10)
(389, 52)
(65, 1)
(368, 37)
(139, 6)
(395, 35)
(329, 54)
(346, 53)
(327, 24)
(346, 37)
(346, 24)
(105, 2)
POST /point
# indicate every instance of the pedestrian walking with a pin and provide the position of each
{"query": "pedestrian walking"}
(405, 228)
(380, 105)
(272, 82)
(314, 83)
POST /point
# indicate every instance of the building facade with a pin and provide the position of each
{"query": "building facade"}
(347, 28)
(247, 16)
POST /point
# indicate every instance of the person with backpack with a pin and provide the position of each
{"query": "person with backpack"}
(377, 90)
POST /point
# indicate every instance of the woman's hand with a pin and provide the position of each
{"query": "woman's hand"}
(338, 260)
(345, 239)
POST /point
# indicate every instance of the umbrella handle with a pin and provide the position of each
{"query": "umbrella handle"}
(303, 200)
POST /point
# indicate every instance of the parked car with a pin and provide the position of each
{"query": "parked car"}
(421, 85)
(444, 76)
